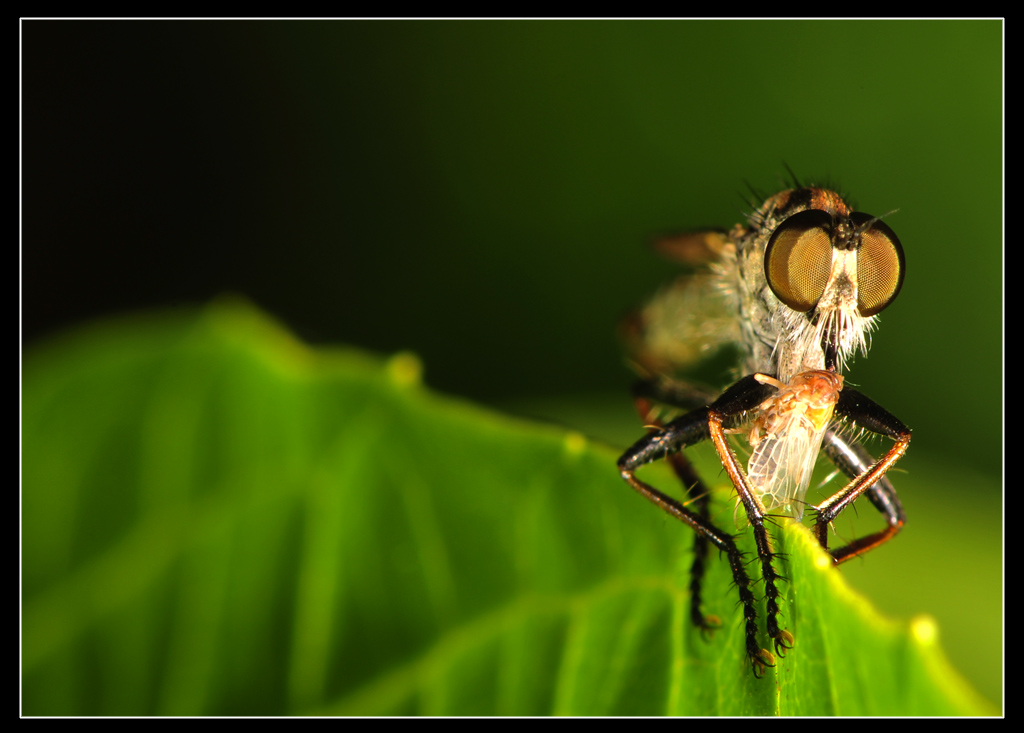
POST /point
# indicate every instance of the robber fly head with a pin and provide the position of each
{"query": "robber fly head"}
(833, 270)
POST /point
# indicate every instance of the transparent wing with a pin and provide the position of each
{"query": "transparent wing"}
(781, 466)
(786, 438)
(683, 325)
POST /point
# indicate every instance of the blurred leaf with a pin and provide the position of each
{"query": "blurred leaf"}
(219, 521)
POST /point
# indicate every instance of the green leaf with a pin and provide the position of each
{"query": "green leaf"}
(217, 520)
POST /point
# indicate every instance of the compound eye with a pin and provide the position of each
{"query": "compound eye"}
(880, 265)
(798, 259)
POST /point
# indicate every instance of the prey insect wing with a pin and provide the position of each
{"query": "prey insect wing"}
(786, 438)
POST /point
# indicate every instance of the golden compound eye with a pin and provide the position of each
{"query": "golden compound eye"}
(798, 259)
(880, 265)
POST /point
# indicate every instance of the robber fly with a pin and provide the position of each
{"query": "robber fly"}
(798, 289)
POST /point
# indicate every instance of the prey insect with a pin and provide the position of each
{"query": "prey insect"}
(797, 289)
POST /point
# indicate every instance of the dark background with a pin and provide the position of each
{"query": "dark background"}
(481, 192)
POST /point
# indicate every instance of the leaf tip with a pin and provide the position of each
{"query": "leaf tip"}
(823, 561)
(575, 443)
(925, 629)
(405, 369)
